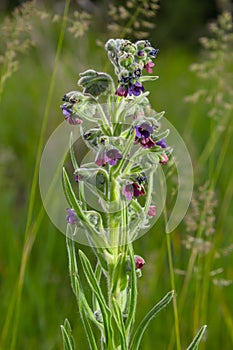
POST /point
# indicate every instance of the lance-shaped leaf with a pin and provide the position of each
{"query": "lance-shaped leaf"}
(145, 322)
(132, 298)
(148, 78)
(72, 200)
(68, 340)
(197, 338)
(120, 323)
(95, 83)
(94, 284)
(76, 282)
(119, 274)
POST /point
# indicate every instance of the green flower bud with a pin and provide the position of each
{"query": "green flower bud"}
(126, 60)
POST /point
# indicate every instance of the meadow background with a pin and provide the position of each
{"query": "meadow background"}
(38, 65)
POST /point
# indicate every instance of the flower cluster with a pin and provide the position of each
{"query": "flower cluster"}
(134, 188)
(129, 60)
(143, 132)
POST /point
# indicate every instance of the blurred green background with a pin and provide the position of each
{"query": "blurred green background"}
(35, 290)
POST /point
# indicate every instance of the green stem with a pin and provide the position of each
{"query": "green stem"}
(173, 287)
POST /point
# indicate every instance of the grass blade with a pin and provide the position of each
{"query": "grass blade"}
(197, 338)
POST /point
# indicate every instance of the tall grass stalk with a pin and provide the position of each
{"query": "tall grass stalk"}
(12, 320)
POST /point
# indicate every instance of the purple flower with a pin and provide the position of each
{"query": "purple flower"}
(139, 262)
(162, 143)
(153, 52)
(152, 210)
(141, 53)
(71, 216)
(128, 191)
(135, 89)
(143, 131)
(66, 111)
(149, 66)
(122, 91)
(113, 155)
(102, 159)
(71, 119)
(110, 157)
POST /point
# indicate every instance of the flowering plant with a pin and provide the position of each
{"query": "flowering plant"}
(110, 198)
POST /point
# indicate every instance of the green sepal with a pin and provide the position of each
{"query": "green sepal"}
(145, 322)
(67, 338)
(148, 78)
(197, 338)
(95, 83)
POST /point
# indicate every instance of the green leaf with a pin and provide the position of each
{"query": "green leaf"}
(95, 83)
(119, 274)
(72, 200)
(148, 78)
(145, 322)
(117, 314)
(132, 301)
(197, 338)
(68, 340)
(94, 284)
(88, 330)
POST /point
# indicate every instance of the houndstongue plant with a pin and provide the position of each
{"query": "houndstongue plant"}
(110, 196)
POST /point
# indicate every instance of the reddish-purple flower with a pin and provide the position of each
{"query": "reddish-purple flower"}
(139, 262)
(110, 157)
(149, 66)
(71, 216)
(69, 116)
(133, 190)
(162, 143)
(152, 210)
(143, 132)
(122, 91)
(128, 191)
(113, 155)
(147, 143)
(102, 159)
(164, 159)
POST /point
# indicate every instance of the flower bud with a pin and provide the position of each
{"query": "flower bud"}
(98, 316)
(152, 210)
(164, 159)
(126, 60)
(110, 45)
(139, 262)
